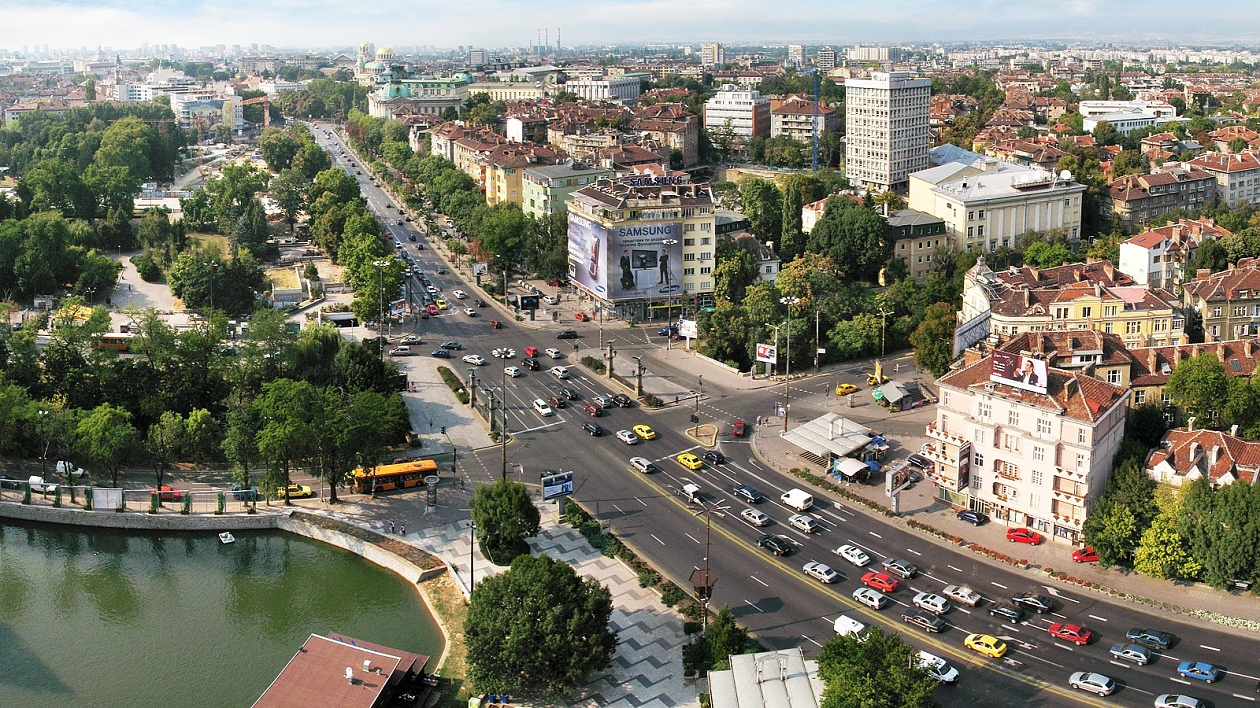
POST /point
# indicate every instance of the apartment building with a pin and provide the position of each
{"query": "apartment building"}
(915, 236)
(1136, 199)
(1185, 455)
(826, 60)
(1226, 304)
(546, 189)
(607, 88)
(1034, 456)
(711, 54)
(745, 111)
(1154, 365)
(873, 54)
(887, 131)
(503, 168)
(1237, 175)
(799, 118)
(1158, 256)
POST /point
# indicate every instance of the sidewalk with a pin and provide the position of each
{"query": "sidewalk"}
(918, 503)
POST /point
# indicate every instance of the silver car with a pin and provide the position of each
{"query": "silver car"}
(962, 594)
(821, 572)
(872, 598)
(1092, 682)
(754, 517)
(627, 437)
(931, 602)
(1135, 653)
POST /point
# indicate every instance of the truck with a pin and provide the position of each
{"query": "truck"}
(797, 499)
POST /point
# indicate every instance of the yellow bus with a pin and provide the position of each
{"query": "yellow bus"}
(396, 476)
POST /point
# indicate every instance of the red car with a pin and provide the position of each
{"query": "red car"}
(1071, 632)
(1028, 536)
(166, 494)
(880, 581)
(433, 309)
(531, 351)
(1085, 555)
(738, 430)
(495, 324)
(581, 316)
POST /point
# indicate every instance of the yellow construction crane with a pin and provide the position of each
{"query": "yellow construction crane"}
(266, 103)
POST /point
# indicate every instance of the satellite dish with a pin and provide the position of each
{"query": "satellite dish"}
(1066, 175)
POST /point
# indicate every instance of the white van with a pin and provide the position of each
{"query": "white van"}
(39, 485)
(797, 499)
(691, 492)
(848, 625)
(541, 406)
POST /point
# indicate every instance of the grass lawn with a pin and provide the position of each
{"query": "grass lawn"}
(281, 277)
(451, 608)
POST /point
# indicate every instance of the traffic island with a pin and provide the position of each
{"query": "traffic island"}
(704, 434)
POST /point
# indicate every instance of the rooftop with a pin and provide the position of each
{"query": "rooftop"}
(1074, 395)
(316, 675)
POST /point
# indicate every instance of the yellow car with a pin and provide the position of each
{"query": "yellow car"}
(690, 461)
(986, 644)
(441, 304)
(872, 380)
(845, 389)
(296, 491)
(644, 432)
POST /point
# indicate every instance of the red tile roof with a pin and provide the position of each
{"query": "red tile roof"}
(315, 676)
(1073, 394)
(1223, 162)
(1221, 457)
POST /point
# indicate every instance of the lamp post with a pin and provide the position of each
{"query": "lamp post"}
(472, 546)
(380, 320)
(214, 275)
(669, 296)
(503, 427)
(695, 417)
(704, 580)
(787, 363)
(638, 376)
(472, 388)
(611, 354)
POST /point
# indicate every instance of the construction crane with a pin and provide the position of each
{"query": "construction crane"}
(266, 103)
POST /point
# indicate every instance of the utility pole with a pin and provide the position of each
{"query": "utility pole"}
(611, 354)
(787, 364)
(503, 428)
(883, 329)
(817, 341)
(380, 321)
(669, 294)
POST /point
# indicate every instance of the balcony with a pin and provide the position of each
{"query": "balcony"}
(944, 435)
(1072, 490)
(1007, 473)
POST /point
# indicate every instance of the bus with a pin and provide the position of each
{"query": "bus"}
(397, 476)
(118, 341)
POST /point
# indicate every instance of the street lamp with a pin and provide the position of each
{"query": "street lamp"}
(695, 418)
(787, 364)
(669, 295)
(380, 321)
(503, 428)
(472, 546)
(704, 580)
(472, 387)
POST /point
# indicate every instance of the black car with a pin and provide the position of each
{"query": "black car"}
(441, 354)
(411, 238)
(919, 461)
(593, 429)
(777, 545)
(1152, 638)
(747, 493)
(441, 271)
(452, 345)
(7, 482)
(923, 619)
(713, 457)
(569, 393)
(1036, 603)
(1006, 613)
(479, 302)
(567, 334)
(623, 400)
(531, 364)
(667, 331)
(974, 518)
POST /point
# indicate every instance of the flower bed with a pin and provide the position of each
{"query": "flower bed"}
(836, 489)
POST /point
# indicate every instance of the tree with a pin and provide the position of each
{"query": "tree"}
(286, 408)
(126, 144)
(289, 190)
(853, 236)
(763, 205)
(1198, 386)
(278, 149)
(1125, 508)
(165, 442)
(792, 241)
(537, 630)
(933, 339)
(1211, 255)
(107, 438)
(725, 638)
(874, 670)
(1162, 552)
(505, 517)
(1237, 145)
(1046, 255)
(1221, 529)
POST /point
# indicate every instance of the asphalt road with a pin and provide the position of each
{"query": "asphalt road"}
(771, 595)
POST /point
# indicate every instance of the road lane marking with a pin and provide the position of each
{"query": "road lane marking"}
(1123, 666)
(641, 501)
(1245, 698)
(992, 582)
(1181, 681)
(691, 537)
(657, 539)
(963, 610)
(1064, 646)
(1056, 614)
(812, 640)
(764, 584)
(914, 551)
(1100, 619)
(953, 568)
(1204, 646)
(623, 511)
(874, 534)
(754, 606)
(1056, 593)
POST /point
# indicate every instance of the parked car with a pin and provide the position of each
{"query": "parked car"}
(242, 493)
(440, 353)
(404, 350)
(854, 555)
(974, 518)
(919, 461)
(821, 572)
(165, 493)
(296, 491)
(1085, 555)
(1023, 535)
(1092, 682)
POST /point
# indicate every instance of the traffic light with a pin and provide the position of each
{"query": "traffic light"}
(444, 430)
(695, 418)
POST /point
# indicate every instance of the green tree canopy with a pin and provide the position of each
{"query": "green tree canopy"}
(505, 516)
(875, 670)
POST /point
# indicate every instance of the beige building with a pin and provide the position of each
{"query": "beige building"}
(887, 134)
(1227, 303)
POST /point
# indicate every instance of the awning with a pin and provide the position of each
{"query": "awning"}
(848, 467)
(829, 435)
(891, 392)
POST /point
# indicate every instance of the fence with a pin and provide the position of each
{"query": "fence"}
(175, 501)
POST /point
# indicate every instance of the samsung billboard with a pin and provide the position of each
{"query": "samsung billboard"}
(629, 262)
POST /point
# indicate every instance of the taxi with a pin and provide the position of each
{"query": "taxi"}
(688, 460)
(644, 432)
(845, 389)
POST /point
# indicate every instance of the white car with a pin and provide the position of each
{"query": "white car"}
(560, 372)
(754, 517)
(931, 602)
(470, 312)
(853, 554)
(805, 523)
(937, 668)
(512, 371)
(431, 290)
(821, 572)
(543, 409)
(474, 359)
(1173, 700)
(1094, 683)
(848, 625)
(460, 294)
(550, 299)
(601, 401)
(871, 597)
(962, 594)
(627, 437)
(553, 353)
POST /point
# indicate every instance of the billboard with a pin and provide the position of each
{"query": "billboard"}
(687, 328)
(529, 302)
(626, 262)
(964, 467)
(1019, 371)
(556, 484)
(767, 353)
(481, 269)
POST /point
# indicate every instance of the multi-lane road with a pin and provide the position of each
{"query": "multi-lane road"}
(771, 595)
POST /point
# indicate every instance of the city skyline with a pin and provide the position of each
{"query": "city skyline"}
(514, 23)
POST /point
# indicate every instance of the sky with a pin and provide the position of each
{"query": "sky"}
(501, 23)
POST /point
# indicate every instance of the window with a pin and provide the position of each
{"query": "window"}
(1034, 501)
(980, 230)
(689, 256)
(1037, 478)
(971, 232)
(1067, 202)
(1011, 442)
(1132, 327)
(979, 435)
(1216, 312)
(945, 398)
(1108, 327)
(1043, 427)
(1062, 313)
(706, 270)
(982, 213)
(984, 410)
(706, 226)
(1240, 311)
(979, 460)
(1080, 436)
(706, 241)
(689, 271)
(1081, 462)
(1038, 454)
(975, 480)
(1087, 311)
(1110, 311)
(689, 242)
(689, 227)
(1012, 417)
(1113, 377)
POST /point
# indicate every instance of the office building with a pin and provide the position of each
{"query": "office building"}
(607, 88)
(826, 60)
(546, 189)
(745, 111)
(886, 119)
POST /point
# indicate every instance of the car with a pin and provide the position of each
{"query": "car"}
(441, 271)
(431, 309)
(550, 299)
(880, 581)
(899, 568)
(242, 493)
(504, 353)
(560, 372)
(622, 400)
(593, 429)
(689, 461)
(541, 407)
(474, 359)
(873, 599)
(470, 312)
(937, 668)
(1135, 653)
(1175, 700)
(1085, 555)
(777, 545)
(592, 411)
(627, 437)
(555, 402)
(873, 380)
(440, 353)
(7, 482)
(845, 389)
(452, 345)
(986, 644)
(553, 353)
(713, 457)
(1092, 682)
(854, 555)
(754, 517)
(974, 518)
(667, 331)
(923, 619)
(479, 302)
(1152, 638)
(1032, 601)
(296, 491)
(962, 594)
(429, 288)
(738, 429)
(582, 317)
(410, 339)
(643, 465)
(411, 237)
(460, 294)
(747, 493)
(531, 364)
(441, 304)
(569, 393)
(805, 523)
(1006, 613)
(164, 492)
(567, 334)
(1198, 670)
(931, 602)
(821, 572)
(919, 461)
(1023, 535)
(512, 371)
(1074, 633)
(603, 401)
(644, 432)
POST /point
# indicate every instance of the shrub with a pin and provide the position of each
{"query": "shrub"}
(148, 267)
(648, 578)
(690, 628)
(651, 401)
(594, 364)
(671, 594)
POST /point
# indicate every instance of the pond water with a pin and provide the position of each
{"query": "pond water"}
(97, 617)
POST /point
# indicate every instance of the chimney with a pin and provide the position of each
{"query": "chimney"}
(1176, 356)
(1215, 455)
(1110, 270)
(1190, 428)
(1097, 289)
(1233, 431)
(1220, 350)
(1152, 358)
(1202, 273)
(350, 675)
(1247, 348)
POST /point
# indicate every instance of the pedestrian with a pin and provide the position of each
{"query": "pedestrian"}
(461, 484)
(403, 532)
(391, 526)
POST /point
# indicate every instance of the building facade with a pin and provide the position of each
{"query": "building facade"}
(1237, 175)
(1158, 256)
(745, 112)
(800, 119)
(546, 189)
(1136, 199)
(1226, 304)
(607, 88)
(429, 95)
(887, 131)
(914, 236)
(826, 60)
(711, 54)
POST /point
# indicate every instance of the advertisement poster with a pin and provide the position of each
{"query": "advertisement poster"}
(964, 467)
(558, 484)
(767, 353)
(628, 262)
(481, 269)
(1019, 371)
